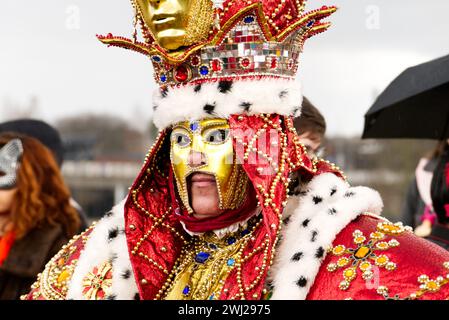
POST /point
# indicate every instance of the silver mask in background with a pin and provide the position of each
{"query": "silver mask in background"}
(10, 156)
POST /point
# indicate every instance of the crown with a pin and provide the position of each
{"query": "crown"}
(240, 58)
(250, 39)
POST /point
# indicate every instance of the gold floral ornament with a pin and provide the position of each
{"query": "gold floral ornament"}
(429, 285)
(363, 257)
(392, 229)
(98, 282)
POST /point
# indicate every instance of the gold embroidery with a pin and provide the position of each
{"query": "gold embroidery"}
(428, 285)
(362, 257)
(391, 229)
(98, 282)
(52, 283)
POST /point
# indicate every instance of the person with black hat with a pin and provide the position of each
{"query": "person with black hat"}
(36, 216)
(51, 139)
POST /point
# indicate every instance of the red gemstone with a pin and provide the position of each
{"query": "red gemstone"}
(291, 63)
(181, 73)
(245, 62)
(216, 65)
(195, 61)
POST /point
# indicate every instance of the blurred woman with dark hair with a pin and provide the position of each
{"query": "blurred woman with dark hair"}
(440, 200)
(36, 217)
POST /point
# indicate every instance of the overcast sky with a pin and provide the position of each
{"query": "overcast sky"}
(46, 53)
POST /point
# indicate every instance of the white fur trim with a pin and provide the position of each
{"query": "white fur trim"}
(184, 103)
(329, 205)
(99, 249)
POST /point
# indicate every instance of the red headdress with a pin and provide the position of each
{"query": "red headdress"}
(245, 73)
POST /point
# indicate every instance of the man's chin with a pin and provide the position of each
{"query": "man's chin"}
(202, 216)
(206, 214)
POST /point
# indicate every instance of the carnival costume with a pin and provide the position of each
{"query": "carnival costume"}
(291, 228)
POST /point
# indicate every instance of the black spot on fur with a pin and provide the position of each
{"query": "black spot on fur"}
(164, 92)
(225, 86)
(198, 88)
(333, 191)
(349, 194)
(317, 199)
(314, 235)
(127, 274)
(113, 233)
(286, 221)
(283, 94)
(305, 223)
(332, 211)
(296, 110)
(137, 296)
(319, 253)
(109, 214)
(297, 256)
(112, 297)
(246, 106)
(155, 107)
(209, 108)
(112, 258)
(302, 282)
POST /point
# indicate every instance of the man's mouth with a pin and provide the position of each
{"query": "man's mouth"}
(201, 180)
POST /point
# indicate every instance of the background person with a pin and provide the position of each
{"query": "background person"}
(36, 218)
(417, 209)
(311, 128)
(440, 200)
(49, 137)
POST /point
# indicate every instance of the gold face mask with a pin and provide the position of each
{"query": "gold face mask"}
(211, 140)
(176, 23)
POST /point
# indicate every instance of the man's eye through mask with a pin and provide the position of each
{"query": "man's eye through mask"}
(10, 155)
(210, 143)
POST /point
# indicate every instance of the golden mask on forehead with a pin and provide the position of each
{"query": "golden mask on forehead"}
(176, 23)
(211, 140)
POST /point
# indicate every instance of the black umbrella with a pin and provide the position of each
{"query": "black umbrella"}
(414, 105)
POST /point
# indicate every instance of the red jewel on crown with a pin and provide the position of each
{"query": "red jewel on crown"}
(182, 73)
(245, 63)
(217, 65)
(272, 62)
(195, 61)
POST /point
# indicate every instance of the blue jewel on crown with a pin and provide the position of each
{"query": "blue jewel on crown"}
(204, 70)
(156, 59)
(310, 24)
(194, 126)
